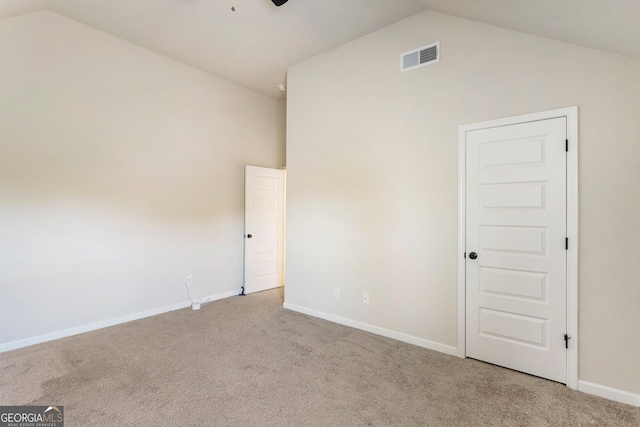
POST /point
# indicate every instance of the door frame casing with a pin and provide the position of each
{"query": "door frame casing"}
(571, 115)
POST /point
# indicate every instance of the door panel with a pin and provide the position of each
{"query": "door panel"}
(516, 223)
(264, 222)
(513, 283)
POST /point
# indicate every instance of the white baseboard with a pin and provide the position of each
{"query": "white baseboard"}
(420, 342)
(609, 393)
(216, 297)
(14, 345)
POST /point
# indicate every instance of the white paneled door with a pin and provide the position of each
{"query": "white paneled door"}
(516, 260)
(264, 229)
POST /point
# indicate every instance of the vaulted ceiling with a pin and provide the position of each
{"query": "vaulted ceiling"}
(254, 45)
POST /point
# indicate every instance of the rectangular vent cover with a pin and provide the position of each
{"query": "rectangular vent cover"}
(420, 57)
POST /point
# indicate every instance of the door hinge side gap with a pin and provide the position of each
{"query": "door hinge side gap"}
(566, 243)
(567, 145)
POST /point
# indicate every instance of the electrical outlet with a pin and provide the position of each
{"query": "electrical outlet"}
(189, 280)
(336, 292)
(365, 297)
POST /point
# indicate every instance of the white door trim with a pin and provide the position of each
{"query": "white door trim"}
(571, 114)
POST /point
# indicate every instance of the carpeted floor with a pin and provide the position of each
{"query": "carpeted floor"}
(245, 361)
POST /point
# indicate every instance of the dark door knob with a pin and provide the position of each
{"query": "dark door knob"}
(473, 255)
(249, 236)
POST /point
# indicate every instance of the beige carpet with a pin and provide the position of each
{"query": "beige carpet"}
(245, 361)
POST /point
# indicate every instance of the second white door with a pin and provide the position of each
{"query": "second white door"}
(264, 229)
(516, 271)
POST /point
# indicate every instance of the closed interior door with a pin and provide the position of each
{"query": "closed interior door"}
(516, 262)
(264, 228)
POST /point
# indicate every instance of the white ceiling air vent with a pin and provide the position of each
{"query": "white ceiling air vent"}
(420, 57)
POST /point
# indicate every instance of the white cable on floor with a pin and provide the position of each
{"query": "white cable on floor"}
(195, 305)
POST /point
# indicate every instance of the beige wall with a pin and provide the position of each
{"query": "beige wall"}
(372, 177)
(121, 172)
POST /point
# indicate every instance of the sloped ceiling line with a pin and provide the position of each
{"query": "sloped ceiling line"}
(253, 45)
